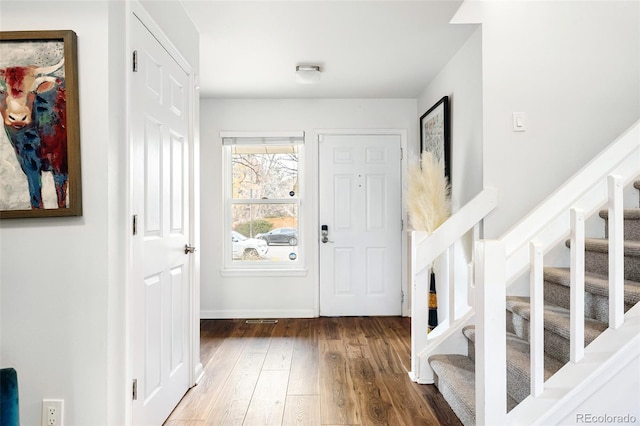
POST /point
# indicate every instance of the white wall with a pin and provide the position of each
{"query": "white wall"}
(62, 280)
(573, 68)
(54, 275)
(276, 296)
(461, 80)
(117, 221)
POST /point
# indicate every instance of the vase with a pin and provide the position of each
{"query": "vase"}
(433, 303)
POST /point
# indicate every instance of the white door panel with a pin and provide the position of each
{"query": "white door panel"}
(160, 126)
(360, 202)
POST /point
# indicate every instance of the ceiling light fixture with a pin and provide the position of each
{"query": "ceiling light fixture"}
(307, 74)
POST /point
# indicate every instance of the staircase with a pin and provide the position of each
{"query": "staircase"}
(568, 343)
(455, 374)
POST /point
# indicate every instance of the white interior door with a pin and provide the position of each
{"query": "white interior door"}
(161, 268)
(361, 206)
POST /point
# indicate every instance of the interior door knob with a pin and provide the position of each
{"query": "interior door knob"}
(188, 249)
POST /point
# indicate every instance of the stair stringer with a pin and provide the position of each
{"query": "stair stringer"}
(574, 389)
(448, 341)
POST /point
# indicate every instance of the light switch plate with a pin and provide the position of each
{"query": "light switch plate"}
(519, 124)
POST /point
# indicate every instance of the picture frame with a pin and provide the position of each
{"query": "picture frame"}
(434, 133)
(40, 173)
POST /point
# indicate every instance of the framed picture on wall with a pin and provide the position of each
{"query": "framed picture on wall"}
(40, 138)
(434, 133)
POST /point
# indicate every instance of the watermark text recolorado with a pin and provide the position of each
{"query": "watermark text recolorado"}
(588, 418)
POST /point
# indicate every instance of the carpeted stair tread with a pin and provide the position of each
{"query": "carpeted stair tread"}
(519, 364)
(597, 257)
(629, 213)
(519, 367)
(631, 225)
(556, 319)
(631, 248)
(593, 283)
(520, 351)
(456, 381)
(469, 331)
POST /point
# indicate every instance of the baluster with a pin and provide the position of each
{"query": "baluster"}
(536, 325)
(577, 285)
(452, 314)
(616, 251)
(471, 268)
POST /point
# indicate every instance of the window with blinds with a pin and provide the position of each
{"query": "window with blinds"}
(262, 176)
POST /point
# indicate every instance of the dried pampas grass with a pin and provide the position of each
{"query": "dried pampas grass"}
(428, 194)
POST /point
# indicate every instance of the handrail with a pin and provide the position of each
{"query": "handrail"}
(429, 247)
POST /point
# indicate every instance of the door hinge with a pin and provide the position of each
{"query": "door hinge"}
(401, 153)
(134, 225)
(402, 224)
(135, 61)
(134, 393)
(401, 296)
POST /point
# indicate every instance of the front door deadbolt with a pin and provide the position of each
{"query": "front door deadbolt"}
(324, 231)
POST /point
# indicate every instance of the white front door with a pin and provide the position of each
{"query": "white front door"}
(161, 268)
(361, 206)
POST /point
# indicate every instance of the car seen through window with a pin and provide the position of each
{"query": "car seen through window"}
(287, 236)
(248, 248)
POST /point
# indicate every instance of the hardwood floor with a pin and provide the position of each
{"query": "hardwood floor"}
(320, 371)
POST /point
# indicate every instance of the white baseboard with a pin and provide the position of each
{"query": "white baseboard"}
(250, 314)
(199, 373)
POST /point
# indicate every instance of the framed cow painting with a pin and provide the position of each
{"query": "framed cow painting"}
(40, 138)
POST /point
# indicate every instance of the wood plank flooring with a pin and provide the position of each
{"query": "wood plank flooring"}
(319, 371)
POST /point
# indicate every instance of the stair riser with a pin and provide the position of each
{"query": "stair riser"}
(598, 262)
(631, 229)
(518, 387)
(555, 345)
(595, 306)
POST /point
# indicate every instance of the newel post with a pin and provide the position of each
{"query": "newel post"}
(491, 346)
(419, 311)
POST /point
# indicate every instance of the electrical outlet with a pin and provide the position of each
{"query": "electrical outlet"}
(52, 411)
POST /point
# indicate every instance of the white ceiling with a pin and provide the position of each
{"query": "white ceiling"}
(366, 49)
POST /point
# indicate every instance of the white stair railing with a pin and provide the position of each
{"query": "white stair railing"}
(425, 249)
(522, 249)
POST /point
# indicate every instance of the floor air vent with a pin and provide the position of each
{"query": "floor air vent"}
(261, 321)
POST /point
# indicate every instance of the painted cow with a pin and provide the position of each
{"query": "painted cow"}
(33, 109)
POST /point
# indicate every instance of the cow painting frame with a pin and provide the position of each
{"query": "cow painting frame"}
(40, 138)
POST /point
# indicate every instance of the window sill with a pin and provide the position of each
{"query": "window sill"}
(239, 272)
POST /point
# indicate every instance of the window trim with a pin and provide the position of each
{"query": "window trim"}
(267, 138)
